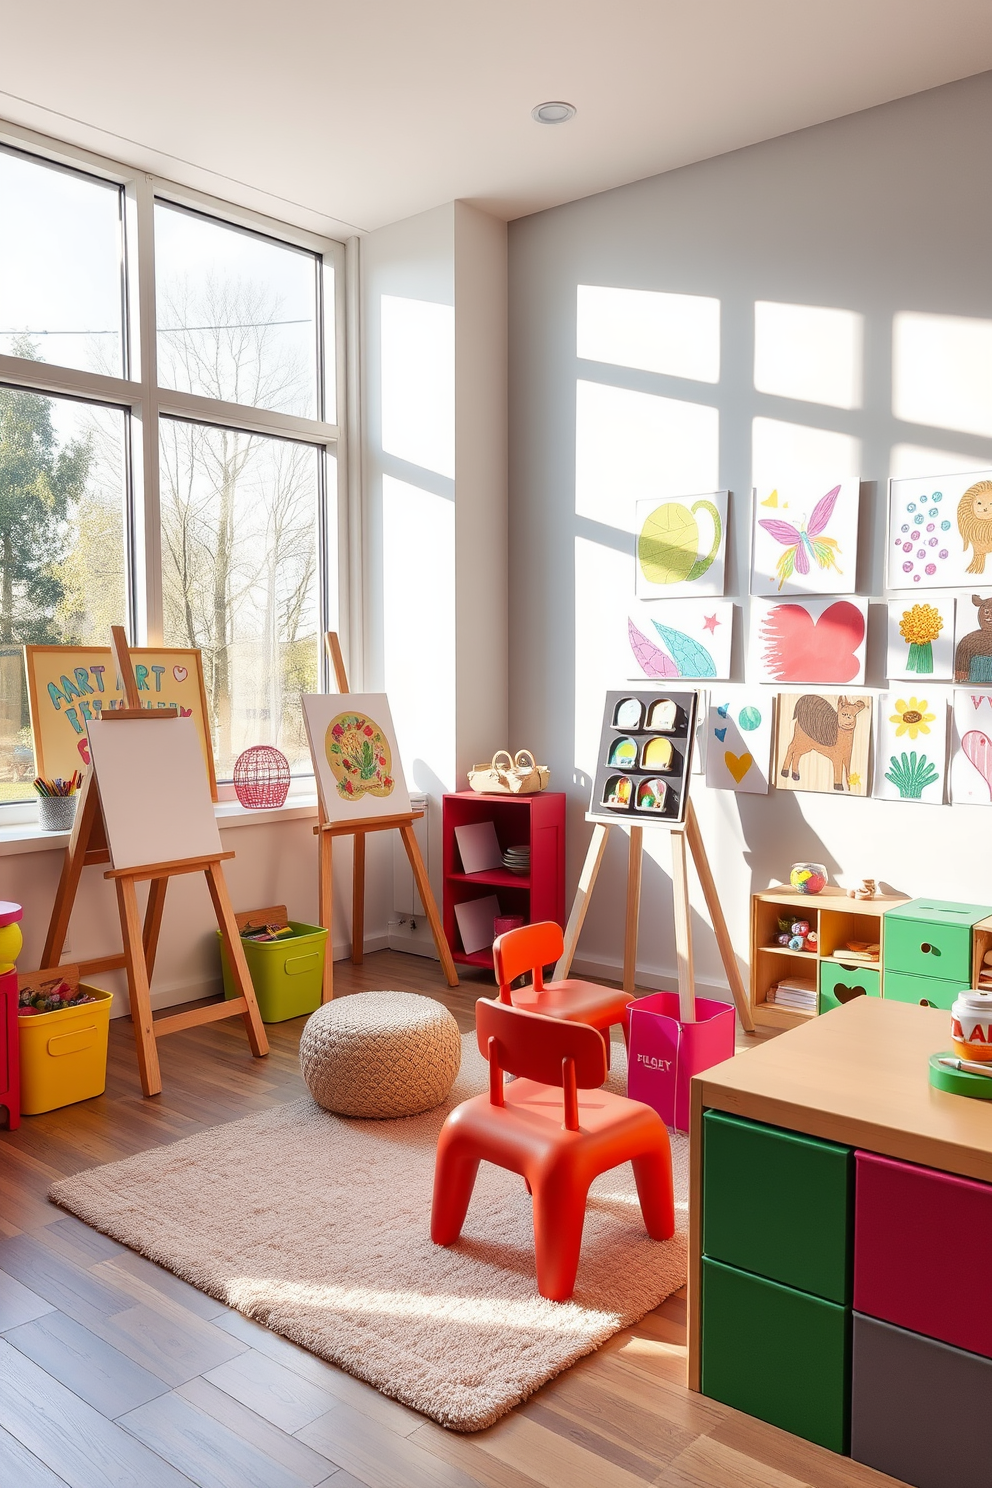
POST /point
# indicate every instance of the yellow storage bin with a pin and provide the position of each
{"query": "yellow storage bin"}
(64, 1054)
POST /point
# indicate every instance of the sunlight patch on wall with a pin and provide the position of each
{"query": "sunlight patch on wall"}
(782, 452)
(603, 582)
(942, 371)
(630, 446)
(418, 596)
(915, 459)
(809, 352)
(676, 334)
(418, 383)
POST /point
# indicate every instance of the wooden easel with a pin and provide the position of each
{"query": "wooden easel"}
(88, 844)
(327, 831)
(681, 837)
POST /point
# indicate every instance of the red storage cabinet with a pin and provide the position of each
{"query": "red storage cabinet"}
(923, 1251)
(10, 1072)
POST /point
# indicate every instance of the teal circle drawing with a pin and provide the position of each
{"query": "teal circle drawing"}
(749, 718)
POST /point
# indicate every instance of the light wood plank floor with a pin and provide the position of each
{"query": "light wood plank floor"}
(115, 1374)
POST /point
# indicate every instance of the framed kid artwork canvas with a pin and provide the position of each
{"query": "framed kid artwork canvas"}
(911, 746)
(688, 638)
(809, 640)
(973, 639)
(971, 749)
(940, 531)
(681, 547)
(355, 758)
(823, 742)
(738, 739)
(921, 639)
(805, 538)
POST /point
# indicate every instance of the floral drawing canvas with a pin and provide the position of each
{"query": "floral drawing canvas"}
(940, 531)
(971, 749)
(808, 640)
(805, 538)
(921, 639)
(911, 746)
(823, 742)
(738, 734)
(355, 758)
(973, 639)
(681, 546)
(681, 638)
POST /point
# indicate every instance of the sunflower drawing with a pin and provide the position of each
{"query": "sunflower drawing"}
(911, 718)
(920, 625)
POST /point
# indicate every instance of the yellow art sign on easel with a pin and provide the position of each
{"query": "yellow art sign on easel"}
(69, 685)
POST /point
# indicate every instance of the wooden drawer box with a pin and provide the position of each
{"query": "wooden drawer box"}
(919, 1408)
(931, 938)
(777, 1354)
(900, 986)
(840, 984)
(918, 1234)
(778, 1204)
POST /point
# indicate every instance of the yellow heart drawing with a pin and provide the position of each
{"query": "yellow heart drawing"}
(738, 765)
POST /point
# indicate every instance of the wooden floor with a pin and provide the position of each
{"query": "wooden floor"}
(115, 1374)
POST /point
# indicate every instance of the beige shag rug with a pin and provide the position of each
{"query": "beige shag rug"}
(318, 1227)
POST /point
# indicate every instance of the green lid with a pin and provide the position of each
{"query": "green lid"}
(940, 912)
(958, 1082)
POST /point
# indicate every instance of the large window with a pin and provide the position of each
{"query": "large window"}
(168, 451)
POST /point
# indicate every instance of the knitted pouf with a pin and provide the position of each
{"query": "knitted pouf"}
(380, 1054)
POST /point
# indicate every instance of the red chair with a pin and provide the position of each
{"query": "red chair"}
(533, 947)
(519, 1126)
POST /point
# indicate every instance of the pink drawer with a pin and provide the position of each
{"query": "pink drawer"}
(917, 1234)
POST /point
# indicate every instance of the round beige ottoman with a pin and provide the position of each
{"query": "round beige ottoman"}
(380, 1054)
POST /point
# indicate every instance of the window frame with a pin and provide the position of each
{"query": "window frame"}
(144, 402)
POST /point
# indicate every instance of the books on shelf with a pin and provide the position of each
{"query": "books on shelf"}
(795, 992)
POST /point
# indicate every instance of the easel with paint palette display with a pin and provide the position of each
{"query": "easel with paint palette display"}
(642, 780)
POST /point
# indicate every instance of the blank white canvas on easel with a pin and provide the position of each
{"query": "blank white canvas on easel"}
(154, 790)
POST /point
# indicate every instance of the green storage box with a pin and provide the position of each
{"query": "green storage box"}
(777, 1354)
(931, 938)
(928, 991)
(287, 974)
(842, 983)
(779, 1204)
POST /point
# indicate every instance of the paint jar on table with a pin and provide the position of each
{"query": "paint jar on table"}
(971, 1025)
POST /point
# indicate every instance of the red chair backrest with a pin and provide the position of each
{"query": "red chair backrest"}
(530, 948)
(533, 1046)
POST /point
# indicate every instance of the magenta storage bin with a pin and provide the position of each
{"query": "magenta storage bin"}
(665, 1053)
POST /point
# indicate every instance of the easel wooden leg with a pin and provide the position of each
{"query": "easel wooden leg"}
(153, 922)
(634, 862)
(138, 989)
(358, 902)
(224, 910)
(683, 930)
(577, 914)
(427, 900)
(723, 940)
(65, 896)
(325, 875)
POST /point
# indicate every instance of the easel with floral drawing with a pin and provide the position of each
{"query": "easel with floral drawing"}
(327, 831)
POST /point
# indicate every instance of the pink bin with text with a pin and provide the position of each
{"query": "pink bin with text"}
(665, 1053)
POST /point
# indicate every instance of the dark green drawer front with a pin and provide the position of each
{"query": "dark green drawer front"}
(928, 949)
(779, 1204)
(777, 1354)
(840, 984)
(899, 987)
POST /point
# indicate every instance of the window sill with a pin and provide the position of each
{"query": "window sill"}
(27, 837)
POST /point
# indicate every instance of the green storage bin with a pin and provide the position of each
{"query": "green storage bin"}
(287, 974)
(777, 1354)
(841, 983)
(929, 991)
(779, 1204)
(932, 938)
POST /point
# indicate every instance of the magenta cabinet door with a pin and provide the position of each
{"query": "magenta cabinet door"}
(923, 1251)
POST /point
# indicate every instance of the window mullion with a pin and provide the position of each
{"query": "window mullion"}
(146, 563)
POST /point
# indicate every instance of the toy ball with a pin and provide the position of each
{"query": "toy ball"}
(801, 927)
(10, 932)
(797, 943)
(749, 718)
(261, 777)
(812, 939)
(783, 940)
(808, 878)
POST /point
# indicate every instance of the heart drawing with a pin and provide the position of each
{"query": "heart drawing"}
(738, 765)
(977, 747)
(180, 673)
(801, 649)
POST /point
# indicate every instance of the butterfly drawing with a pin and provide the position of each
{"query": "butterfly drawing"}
(803, 543)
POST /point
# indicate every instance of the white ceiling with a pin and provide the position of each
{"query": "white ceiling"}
(343, 115)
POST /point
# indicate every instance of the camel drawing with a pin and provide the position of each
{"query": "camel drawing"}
(973, 657)
(822, 729)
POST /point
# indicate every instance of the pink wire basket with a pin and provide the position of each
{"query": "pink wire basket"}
(261, 777)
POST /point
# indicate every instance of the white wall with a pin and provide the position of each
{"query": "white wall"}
(883, 212)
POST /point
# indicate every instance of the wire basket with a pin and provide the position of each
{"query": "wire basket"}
(261, 777)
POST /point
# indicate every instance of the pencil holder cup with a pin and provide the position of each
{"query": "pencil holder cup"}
(57, 813)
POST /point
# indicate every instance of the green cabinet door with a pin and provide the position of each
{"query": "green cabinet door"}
(840, 984)
(778, 1203)
(931, 938)
(928, 991)
(777, 1354)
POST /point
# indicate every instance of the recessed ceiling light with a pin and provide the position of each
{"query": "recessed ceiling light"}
(553, 113)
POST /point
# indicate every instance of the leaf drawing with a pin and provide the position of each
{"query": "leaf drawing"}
(691, 658)
(911, 774)
(650, 658)
(805, 542)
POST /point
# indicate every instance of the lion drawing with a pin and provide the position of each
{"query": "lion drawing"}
(975, 523)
